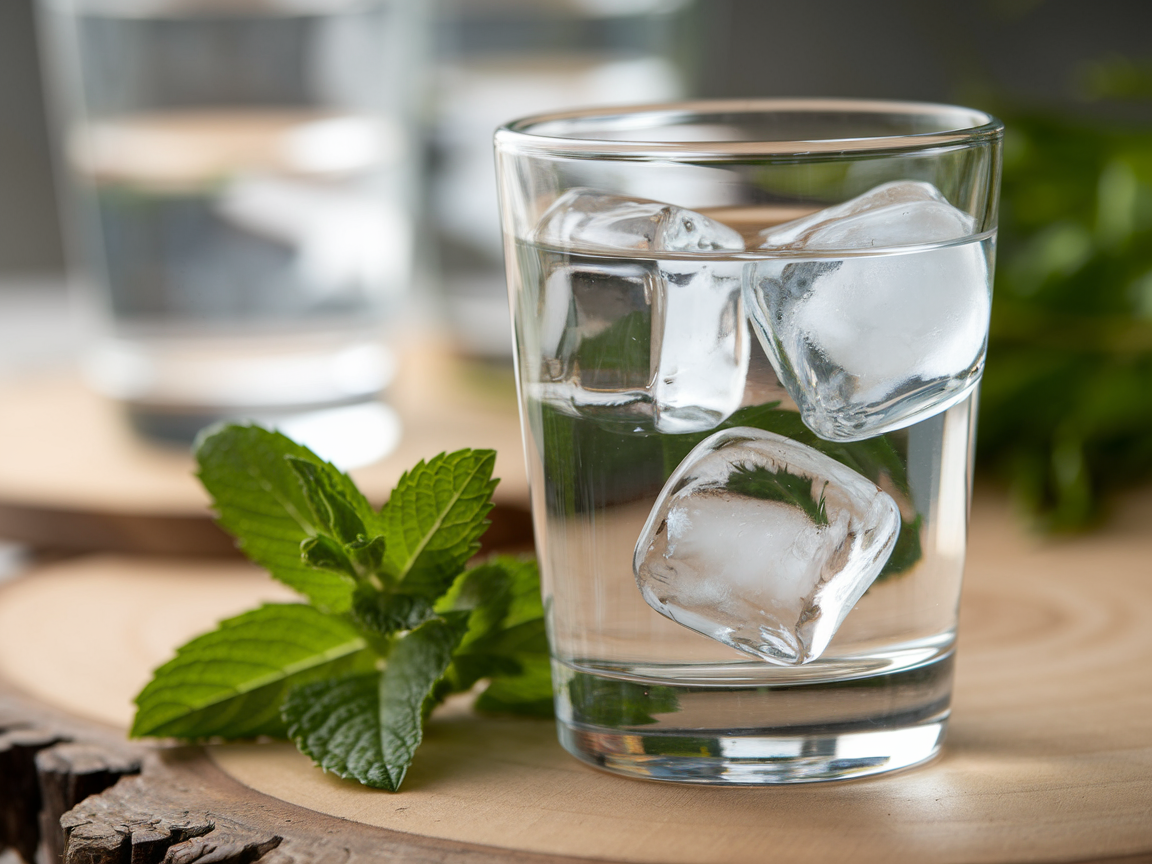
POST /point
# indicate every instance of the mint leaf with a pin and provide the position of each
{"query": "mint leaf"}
(529, 692)
(367, 555)
(333, 512)
(367, 727)
(261, 502)
(324, 553)
(756, 481)
(486, 591)
(528, 637)
(387, 613)
(523, 588)
(611, 702)
(502, 590)
(907, 550)
(230, 682)
(313, 671)
(506, 638)
(337, 723)
(618, 357)
(433, 521)
(519, 668)
(875, 458)
(502, 654)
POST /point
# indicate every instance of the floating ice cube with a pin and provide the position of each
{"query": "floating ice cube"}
(597, 221)
(629, 336)
(903, 213)
(869, 343)
(764, 544)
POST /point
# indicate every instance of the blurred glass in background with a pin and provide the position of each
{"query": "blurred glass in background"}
(240, 178)
(261, 218)
(499, 59)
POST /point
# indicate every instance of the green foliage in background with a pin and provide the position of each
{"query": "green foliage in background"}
(1066, 406)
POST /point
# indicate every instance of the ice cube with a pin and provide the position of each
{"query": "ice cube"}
(610, 223)
(867, 343)
(764, 544)
(902, 213)
(629, 336)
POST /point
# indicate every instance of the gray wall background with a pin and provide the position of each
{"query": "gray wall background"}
(980, 52)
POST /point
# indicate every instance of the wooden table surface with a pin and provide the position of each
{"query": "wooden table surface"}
(74, 477)
(1048, 758)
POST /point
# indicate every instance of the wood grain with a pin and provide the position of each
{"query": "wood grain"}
(170, 804)
(1049, 756)
(74, 476)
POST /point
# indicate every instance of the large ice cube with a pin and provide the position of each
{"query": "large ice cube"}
(902, 213)
(764, 544)
(629, 334)
(867, 343)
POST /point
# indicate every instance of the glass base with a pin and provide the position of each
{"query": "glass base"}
(756, 759)
(747, 724)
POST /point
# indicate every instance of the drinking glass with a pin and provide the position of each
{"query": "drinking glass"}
(749, 338)
(239, 178)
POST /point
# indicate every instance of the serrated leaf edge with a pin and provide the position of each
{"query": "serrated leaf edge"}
(489, 456)
(156, 687)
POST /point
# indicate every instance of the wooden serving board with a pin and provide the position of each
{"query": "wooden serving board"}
(74, 477)
(1048, 758)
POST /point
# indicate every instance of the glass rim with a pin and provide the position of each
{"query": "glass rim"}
(518, 135)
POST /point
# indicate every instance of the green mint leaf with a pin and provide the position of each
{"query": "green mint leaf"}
(756, 481)
(230, 682)
(367, 727)
(324, 553)
(485, 592)
(506, 638)
(620, 356)
(875, 458)
(516, 660)
(368, 555)
(434, 520)
(469, 667)
(502, 591)
(388, 613)
(907, 550)
(336, 722)
(611, 702)
(332, 510)
(524, 590)
(526, 638)
(501, 654)
(260, 501)
(529, 692)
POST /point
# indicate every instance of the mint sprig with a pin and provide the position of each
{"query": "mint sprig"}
(394, 623)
